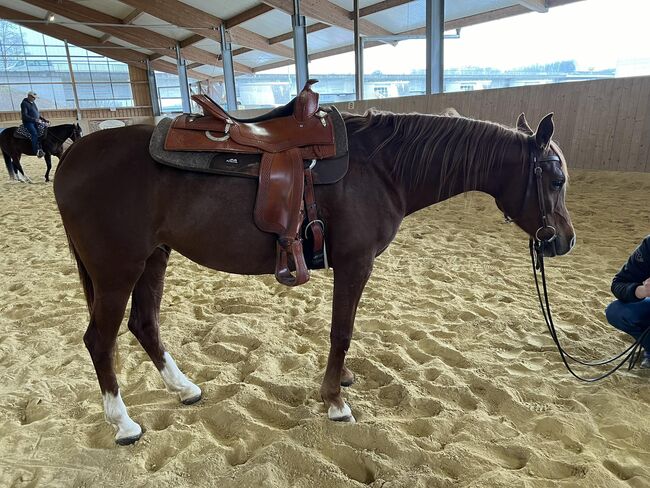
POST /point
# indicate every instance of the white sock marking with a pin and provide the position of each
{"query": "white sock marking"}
(176, 381)
(116, 415)
(343, 414)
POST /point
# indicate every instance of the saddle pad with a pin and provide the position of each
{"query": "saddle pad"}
(326, 171)
(22, 133)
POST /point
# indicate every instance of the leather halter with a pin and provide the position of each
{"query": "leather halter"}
(538, 170)
(535, 172)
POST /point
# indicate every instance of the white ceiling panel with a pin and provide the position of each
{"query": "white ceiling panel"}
(210, 70)
(257, 58)
(110, 7)
(329, 38)
(161, 27)
(270, 24)
(223, 9)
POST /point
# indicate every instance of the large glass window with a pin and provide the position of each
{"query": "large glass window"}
(33, 61)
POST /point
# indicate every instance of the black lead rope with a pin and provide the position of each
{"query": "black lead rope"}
(631, 354)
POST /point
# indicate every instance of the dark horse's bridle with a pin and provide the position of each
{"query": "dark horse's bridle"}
(537, 246)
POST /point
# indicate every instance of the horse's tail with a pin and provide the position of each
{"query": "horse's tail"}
(84, 277)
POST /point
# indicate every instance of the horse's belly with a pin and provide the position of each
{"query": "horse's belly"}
(210, 221)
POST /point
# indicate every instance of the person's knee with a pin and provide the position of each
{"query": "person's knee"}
(614, 313)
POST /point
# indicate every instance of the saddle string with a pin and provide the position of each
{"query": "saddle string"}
(632, 353)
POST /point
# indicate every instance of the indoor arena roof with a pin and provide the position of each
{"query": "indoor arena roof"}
(134, 30)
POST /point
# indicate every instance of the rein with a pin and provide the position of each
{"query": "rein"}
(537, 245)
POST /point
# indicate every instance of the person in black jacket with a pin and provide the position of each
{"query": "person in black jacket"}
(631, 286)
(31, 117)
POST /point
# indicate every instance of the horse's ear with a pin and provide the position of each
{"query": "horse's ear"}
(522, 125)
(545, 132)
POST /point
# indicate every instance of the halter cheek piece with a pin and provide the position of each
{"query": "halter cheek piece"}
(535, 172)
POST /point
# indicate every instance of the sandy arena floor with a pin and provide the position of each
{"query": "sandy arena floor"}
(458, 382)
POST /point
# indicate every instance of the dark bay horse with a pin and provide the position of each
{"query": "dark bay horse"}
(52, 145)
(123, 213)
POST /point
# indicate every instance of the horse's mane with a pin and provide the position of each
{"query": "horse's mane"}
(471, 149)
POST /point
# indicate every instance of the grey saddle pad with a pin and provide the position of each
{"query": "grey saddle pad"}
(326, 171)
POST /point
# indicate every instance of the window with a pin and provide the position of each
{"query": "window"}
(33, 61)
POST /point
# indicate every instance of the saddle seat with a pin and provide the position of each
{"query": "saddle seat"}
(285, 137)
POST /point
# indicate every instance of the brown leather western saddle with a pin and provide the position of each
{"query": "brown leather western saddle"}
(285, 138)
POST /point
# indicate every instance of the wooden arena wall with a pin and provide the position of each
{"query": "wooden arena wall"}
(602, 124)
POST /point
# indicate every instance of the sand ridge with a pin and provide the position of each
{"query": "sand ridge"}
(458, 384)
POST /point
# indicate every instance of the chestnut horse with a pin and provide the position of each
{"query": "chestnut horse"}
(52, 145)
(123, 213)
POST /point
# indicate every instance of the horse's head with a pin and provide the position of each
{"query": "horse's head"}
(537, 205)
(77, 133)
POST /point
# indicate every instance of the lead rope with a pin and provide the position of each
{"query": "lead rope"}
(633, 352)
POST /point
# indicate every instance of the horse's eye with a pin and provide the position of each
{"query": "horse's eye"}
(557, 184)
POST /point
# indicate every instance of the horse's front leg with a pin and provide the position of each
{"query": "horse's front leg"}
(350, 278)
(48, 162)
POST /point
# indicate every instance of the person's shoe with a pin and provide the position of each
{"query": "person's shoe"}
(40, 153)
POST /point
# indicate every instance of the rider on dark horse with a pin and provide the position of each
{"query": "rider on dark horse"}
(31, 119)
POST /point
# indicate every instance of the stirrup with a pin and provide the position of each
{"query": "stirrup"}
(285, 248)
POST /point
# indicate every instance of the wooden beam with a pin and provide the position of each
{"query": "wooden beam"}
(289, 35)
(132, 16)
(534, 5)
(379, 7)
(207, 25)
(329, 13)
(108, 49)
(138, 36)
(104, 38)
(249, 14)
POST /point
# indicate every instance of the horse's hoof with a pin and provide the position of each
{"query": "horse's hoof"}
(348, 381)
(341, 414)
(125, 441)
(192, 400)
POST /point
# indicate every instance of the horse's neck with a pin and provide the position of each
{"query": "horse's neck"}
(436, 185)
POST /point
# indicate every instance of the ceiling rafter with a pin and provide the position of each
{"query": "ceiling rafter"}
(137, 36)
(249, 14)
(379, 7)
(329, 13)
(183, 15)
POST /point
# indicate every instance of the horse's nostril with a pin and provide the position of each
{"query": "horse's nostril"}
(573, 241)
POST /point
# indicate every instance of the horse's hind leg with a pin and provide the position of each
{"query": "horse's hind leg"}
(144, 320)
(18, 168)
(109, 305)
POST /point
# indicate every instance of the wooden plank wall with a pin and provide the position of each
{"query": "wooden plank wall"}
(13, 118)
(601, 124)
(139, 87)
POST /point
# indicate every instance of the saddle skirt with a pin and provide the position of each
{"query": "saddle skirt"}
(22, 133)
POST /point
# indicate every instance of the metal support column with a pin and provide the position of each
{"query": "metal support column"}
(358, 54)
(153, 90)
(182, 79)
(228, 70)
(74, 84)
(435, 17)
(299, 46)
